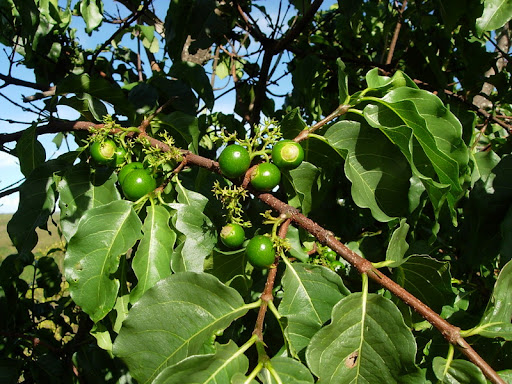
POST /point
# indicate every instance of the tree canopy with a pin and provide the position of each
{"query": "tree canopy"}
(356, 227)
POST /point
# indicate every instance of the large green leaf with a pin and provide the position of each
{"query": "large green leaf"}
(198, 230)
(103, 235)
(497, 320)
(309, 294)
(367, 341)
(379, 173)
(428, 279)
(152, 261)
(428, 135)
(30, 152)
(206, 369)
(173, 320)
(81, 190)
(457, 372)
(496, 14)
(288, 370)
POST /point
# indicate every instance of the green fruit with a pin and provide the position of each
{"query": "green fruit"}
(127, 169)
(260, 251)
(234, 161)
(103, 152)
(137, 183)
(120, 155)
(232, 235)
(265, 176)
(287, 154)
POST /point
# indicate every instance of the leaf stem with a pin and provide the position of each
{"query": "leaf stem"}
(254, 373)
(449, 359)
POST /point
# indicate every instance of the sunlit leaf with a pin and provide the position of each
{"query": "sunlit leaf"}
(309, 294)
(367, 341)
(457, 372)
(103, 235)
(152, 261)
(173, 320)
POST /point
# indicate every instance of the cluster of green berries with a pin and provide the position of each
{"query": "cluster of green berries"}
(235, 161)
(136, 181)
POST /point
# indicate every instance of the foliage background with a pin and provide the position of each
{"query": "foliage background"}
(437, 217)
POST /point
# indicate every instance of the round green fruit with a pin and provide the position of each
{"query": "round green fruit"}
(232, 235)
(260, 251)
(265, 176)
(137, 183)
(287, 154)
(127, 169)
(120, 155)
(234, 161)
(103, 152)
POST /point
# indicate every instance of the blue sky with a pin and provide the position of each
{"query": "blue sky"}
(9, 166)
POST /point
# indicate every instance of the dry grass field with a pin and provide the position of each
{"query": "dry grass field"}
(46, 240)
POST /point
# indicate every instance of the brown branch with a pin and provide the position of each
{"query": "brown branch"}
(396, 33)
(23, 83)
(267, 295)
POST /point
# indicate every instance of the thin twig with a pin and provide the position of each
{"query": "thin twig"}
(396, 33)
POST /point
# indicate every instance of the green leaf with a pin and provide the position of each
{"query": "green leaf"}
(293, 237)
(231, 268)
(343, 94)
(81, 190)
(497, 320)
(92, 12)
(303, 180)
(310, 293)
(484, 162)
(288, 370)
(30, 151)
(143, 97)
(496, 14)
(505, 375)
(457, 372)
(152, 261)
(379, 173)
(430, 138)
(181, 124)
(149, 39)
(398, 245)
(292, 124)
(195, 76)
(215, 368)
(428, 279)
(366, 341)
(90, 107)
(198, 230)
(173, 320)
(383, 84)
(103, 235)
(99, 88)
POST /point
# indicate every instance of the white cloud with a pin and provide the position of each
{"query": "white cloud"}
(7, 160)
